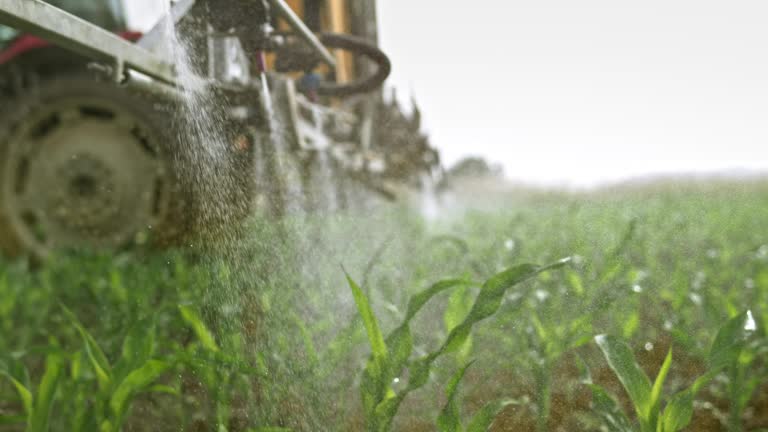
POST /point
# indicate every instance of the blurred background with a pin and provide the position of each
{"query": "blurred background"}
(590, 91)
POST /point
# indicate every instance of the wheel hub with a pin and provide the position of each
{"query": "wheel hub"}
(82, 173)
(84, 199)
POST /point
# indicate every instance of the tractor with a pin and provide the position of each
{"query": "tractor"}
(224, 109)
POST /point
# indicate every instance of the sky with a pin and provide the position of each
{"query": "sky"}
(581, 92)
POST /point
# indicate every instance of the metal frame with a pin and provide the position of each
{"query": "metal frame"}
(302, 30)
(80, 36)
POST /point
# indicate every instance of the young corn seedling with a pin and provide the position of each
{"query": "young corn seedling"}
(38, 402)
(391, 355)
(646, 397)
(734, 351)
(449, 419)
(118, 384)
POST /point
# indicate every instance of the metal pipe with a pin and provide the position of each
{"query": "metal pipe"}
(298, 25)
(70, 32)
(145, 84)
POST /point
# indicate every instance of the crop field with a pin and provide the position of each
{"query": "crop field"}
(637, 308)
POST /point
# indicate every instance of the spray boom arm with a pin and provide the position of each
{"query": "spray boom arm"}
(68, 31)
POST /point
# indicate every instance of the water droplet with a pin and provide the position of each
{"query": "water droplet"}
(396, 380)
(750, 325)
(637, 288)
(541, 295)
(695, 298)
(698, 280)
(509, 244)
(648, 346)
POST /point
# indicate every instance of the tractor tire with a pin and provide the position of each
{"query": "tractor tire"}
(85, 164)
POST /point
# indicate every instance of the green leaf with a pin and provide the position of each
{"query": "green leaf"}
(489, 299)
(609, 411)
(194, 320)
(400, 341)
(658, 385)
(728, 342)
(678, 412)
(386, 410)
(54, 367)
(12, 419)
(483, 419)
(449, 419)
(139, 343)
(135, 382)
(703, 380)
(635, 381)
(24, 394)
(96, 356)
(375, 338)
(459, 304)
(419, 300)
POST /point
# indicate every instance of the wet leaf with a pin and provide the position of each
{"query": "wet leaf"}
(449, 419)
(24, 394)
(483, 419)
(658, 385)
(635, 381)
(138, 347)
(96, 356)
(195, 321)
(135, 382)
(54, 367)
(728, 342)
(400, 341)
(375, 337)
(609, 411)
(678, 412)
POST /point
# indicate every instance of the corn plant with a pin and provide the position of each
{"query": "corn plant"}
(391, 355)
(449, 419)
(37, 402)
(118, 383)
(646, 397)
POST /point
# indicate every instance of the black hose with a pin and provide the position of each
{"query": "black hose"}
(300, 58)
(357, 46)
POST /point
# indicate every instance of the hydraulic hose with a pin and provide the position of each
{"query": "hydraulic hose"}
(359, 47)
(298, 57)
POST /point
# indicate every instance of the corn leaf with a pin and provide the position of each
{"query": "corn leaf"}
(24, 394)
(139, 343)
(449, 419)
(135, 382)
(400, 341)
(658, 385)
(483, 419)
(12, 419)
(96, 356)
(678, 412)
(608, 411)
(204, 336)
(54, 367)
(728, 342)
(375, 337)
(635, 381)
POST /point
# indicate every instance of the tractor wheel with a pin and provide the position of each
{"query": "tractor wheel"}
(85, 165)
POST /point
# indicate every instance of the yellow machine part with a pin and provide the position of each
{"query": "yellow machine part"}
(335, 18)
